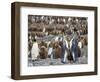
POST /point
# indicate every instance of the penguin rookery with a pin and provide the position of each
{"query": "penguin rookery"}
(53, 40)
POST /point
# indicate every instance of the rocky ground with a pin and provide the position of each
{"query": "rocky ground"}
(46, 62)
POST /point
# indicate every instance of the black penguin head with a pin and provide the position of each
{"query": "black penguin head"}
(75, 30)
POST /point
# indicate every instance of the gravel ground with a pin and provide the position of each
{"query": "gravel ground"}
(45, 62)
